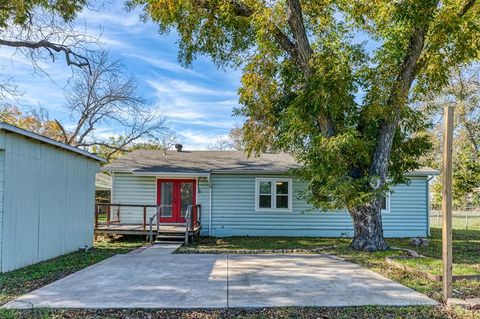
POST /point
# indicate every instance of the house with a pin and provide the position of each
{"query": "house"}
(103, 182)
(47, 194)
(241, 196)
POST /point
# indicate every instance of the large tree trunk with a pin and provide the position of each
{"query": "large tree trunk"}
(367, 222)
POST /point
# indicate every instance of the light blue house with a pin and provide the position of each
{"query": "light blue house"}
(247, 196)
(47, 195)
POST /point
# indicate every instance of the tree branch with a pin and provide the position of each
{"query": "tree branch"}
(466, 8)
(71, 57)
(62, 130)
(396, 100)
(302, 45)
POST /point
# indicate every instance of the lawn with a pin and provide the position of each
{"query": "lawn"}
(24, 280)
(461, 219)
(368, 312)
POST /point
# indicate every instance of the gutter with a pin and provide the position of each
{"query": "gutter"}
(173, 174)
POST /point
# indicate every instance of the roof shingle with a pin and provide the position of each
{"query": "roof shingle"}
(153, 161)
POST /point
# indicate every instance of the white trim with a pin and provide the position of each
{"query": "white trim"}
(273, 194)
(44, 139)
(171, 175)
(112, 192)
(210, 211)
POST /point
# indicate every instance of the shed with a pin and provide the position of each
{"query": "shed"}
(47, 197)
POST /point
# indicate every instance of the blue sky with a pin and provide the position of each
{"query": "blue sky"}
(197, 102)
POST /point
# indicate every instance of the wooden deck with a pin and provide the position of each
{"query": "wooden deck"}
(137, 229)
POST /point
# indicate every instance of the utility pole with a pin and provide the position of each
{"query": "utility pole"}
(447, 202)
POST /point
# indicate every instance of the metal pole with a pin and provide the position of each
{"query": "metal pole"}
(447, 202)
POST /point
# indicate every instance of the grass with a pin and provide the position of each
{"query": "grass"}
(434, 266)
(24, 280)
(460, 219)
(365, 312)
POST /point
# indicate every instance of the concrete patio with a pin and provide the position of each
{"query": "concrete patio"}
(155, 278)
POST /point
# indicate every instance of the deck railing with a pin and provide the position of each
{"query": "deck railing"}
(117, 215)
(192, 220)
(113, 220)
(156, 217)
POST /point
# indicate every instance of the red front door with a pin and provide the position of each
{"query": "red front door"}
(174, 196)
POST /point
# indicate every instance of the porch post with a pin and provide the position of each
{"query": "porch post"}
(447, 202)
(144, 217)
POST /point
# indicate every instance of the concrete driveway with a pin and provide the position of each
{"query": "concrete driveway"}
(154, 278)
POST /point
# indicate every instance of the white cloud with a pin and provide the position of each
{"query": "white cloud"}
(166, 65)
(197, 141)
(176, 86)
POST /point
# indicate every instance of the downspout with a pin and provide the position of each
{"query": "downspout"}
(428, 204)
(210, 208)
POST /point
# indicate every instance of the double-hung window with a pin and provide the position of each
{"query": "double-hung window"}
(273, 194)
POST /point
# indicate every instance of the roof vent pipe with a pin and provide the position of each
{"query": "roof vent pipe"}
(178, 147)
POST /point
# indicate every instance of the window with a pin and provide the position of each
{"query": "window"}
(386, 203)
(274, 194)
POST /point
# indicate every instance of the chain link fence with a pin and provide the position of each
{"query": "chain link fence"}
(462, 217)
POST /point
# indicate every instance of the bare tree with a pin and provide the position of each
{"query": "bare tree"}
(163, 142)
(236, 138)
(233, 142)
(221, 144)
(106, 96)
(42, 30)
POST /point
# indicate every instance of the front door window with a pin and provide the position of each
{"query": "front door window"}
(166, 210)
(186, 197)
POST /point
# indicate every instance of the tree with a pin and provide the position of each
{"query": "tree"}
(233, 142)
(463, 92)
(103, 96)
(221, 144)
(236, 138)
(162, 142)
(36, 121)
(40, 30)
(308, 88)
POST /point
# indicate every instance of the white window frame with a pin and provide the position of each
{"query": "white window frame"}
(273, 194)
(387, 202)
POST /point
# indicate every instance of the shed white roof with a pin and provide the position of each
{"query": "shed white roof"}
(44, 139)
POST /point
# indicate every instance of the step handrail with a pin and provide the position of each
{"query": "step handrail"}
(150, 223)
(190, 222)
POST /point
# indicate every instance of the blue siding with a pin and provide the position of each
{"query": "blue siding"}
(2, 181)
(49, 198)
(134, 189)
(233, 208)
(233, 212)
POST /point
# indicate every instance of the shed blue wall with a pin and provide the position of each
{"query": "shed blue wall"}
(233, 208)
(49, 198)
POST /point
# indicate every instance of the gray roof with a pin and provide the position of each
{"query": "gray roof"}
(204, 162)
(153, 161)
(44, 139)
(103, 182)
